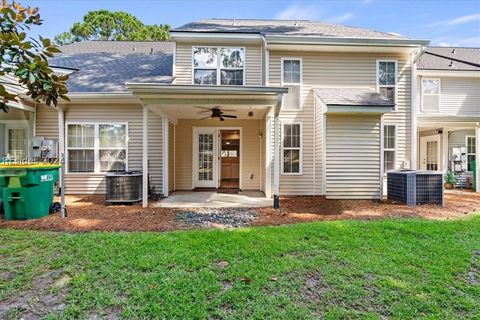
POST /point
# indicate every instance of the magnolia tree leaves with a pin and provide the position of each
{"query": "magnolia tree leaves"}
(107, 25)
(24, 61)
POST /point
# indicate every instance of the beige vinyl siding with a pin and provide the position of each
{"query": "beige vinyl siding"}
(47, 122)
(458, 138)
(353, 157)
(322, 69)
(91, 183)
(253, 62)
(250, 150)
(458, 96)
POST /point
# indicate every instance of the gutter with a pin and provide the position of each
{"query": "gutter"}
(314, 40)
(162, 88)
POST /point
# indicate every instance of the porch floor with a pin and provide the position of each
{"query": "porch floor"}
(210, 199)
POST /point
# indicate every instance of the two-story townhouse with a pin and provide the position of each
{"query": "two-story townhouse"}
(448, 110)
(281, 107)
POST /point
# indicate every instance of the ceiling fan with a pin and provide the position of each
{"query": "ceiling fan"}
(216, 112)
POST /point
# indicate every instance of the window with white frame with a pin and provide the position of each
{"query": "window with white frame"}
(96, 148)
(292, 148)
(389, 147)
(292, 79)
(471, 151)
(214, 66)
(430, 94)
(387, 78)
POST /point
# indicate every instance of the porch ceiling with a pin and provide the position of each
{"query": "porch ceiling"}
(176, 112)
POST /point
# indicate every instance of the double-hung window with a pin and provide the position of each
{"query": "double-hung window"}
(389, 147)
(218, 66)
(471, 151)
(96, 148)
(387, 78)
(292, 79)
(430, 95)
(292, 148)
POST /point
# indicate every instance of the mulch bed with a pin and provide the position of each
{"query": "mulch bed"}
(89, 213)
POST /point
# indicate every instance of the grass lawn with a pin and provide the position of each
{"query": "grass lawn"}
(344, 269)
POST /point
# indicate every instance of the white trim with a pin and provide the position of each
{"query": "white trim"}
(283, 123)
(300, 84)
(422, 94)
(174, 156)
(96, 144)
(276, 156)
(219, 67)
(395, 86)
(267, 67)
(395, 148)
(444, 152)
(448, 73)
(314, 160)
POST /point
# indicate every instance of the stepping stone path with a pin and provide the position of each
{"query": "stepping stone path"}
(224, 217)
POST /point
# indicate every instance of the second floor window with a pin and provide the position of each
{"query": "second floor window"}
(430, 95)
(387, 78)
(292, 79)
(218, 66)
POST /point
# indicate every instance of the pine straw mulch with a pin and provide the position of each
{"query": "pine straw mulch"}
(90, 213)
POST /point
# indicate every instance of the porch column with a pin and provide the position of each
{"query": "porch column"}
(165, 146)
(477, 157)
(445, 149)
(276, 152)
(145, 158)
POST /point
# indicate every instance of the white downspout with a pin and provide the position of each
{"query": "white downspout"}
(145, 158)
(413, 101)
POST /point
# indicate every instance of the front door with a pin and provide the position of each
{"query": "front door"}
(430, 153)
(205, 158)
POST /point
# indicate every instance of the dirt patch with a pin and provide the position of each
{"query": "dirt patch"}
(458, 204)
(46, 296)
(473, 274)
(89, 213)
(313, 288)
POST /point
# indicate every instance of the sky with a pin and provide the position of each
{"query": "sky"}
(445, 23)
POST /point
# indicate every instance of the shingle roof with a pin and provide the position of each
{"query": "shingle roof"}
(284, 27)
(105, 66)
(450, 58)
(352, 97)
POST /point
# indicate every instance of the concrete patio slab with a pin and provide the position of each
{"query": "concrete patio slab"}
(188, 199)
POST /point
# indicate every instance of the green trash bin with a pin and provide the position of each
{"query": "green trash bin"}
(27, 191)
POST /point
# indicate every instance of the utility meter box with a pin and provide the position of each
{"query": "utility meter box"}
(44, 148)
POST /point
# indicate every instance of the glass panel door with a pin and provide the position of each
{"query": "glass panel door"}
(206, 159)
(432, 155)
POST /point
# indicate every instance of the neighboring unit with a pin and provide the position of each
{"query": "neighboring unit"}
(288, 107)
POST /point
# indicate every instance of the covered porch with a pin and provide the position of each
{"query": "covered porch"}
(450, 143)
(213, 138)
